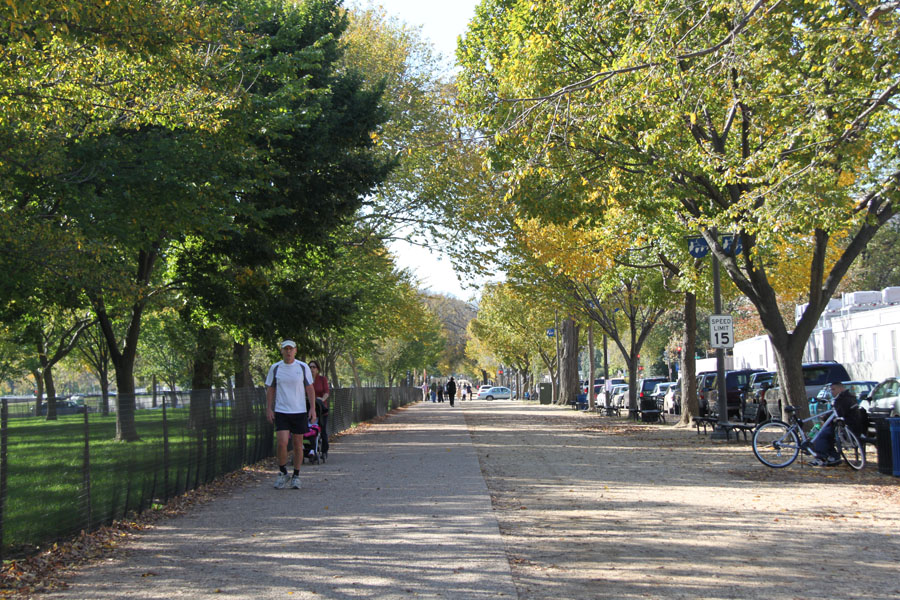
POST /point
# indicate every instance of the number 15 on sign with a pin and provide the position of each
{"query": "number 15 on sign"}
(721, 331)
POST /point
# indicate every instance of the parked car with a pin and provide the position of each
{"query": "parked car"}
(495, 393)
(861, 389)
(646, 386)
(613, 382)
(736, 384)
(758, 384)
(64, 407)
(659, 392)
(885, 395)
(816, 376)
(619, 395)
(672, 400)
(706, 381)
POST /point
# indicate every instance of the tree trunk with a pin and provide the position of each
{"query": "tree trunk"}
(632, 361)
(126, 431)
(243, 383)
(104, 394)
(792, 388)
(568, 363)
(50, 389)
(123, 360)
(38, 392)
(332, 371)
(590, 386)
(354, 370)
(241, 355)
(202, 380)
(690, 405)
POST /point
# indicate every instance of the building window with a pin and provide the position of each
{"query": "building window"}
(894, 344)
(860, 349)
(874, 347)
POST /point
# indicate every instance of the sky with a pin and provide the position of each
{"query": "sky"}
(442, 23)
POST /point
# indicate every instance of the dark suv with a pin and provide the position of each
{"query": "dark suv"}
(758, 384)
(736, 384)
(815, 376)
(647, 385)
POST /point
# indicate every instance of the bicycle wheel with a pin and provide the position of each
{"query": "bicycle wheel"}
(775, 444)
(849, 446)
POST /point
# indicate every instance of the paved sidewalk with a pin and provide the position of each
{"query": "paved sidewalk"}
(398, 511)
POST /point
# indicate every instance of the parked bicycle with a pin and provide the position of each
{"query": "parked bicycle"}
(777, 444)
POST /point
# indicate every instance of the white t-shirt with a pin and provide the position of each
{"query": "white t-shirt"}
(290, 393)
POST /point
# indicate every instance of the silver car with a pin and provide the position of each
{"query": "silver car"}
(495, 393)
(885, 395)
(620, 396)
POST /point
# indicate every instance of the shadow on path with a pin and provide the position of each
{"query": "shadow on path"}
(400, 510)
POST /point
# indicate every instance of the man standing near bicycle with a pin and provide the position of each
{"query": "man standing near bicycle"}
(823, 445)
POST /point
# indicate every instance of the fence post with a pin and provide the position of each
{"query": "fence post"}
(165, 428)
(86, 472)
(4, 422)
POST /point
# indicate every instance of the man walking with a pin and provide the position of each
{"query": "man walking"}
(451, 390)
(288, 384)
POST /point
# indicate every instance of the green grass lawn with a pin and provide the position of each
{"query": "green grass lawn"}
(47, 496)
(46, 488)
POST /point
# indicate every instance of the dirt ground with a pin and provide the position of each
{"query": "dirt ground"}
(588, 506)
(597, 507)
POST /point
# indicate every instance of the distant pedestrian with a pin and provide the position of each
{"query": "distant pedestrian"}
(323, 392)
(288, 384)
(469, 390)
(451, 390)
(440, 391)
(434, 391)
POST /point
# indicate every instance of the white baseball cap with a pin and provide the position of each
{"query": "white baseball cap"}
(287, 343)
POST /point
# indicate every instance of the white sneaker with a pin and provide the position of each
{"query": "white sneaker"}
(295, 482)
(282, 481)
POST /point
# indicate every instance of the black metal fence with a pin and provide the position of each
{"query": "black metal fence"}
(60, 477)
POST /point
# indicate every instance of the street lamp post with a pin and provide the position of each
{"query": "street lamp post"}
(698, 248)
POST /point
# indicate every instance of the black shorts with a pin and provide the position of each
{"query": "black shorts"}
(296, 423)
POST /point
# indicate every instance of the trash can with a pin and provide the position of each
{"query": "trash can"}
(545, 393)
(895, 444)
(884, 447)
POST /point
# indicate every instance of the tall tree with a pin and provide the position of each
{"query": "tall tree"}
(773, 122)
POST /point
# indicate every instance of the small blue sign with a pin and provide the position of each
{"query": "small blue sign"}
(551, 332)
(731, 244)
(698, 247)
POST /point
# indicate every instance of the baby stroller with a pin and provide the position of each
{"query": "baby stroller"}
(312, 445)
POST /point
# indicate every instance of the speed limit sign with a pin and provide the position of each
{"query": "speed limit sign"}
(721, 331)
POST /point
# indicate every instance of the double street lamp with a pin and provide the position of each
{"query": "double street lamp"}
(721, 327)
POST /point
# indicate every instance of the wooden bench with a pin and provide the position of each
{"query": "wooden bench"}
(709, 421)
(648, 412)
(736, 427)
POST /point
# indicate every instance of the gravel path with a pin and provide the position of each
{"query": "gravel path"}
(511, 500)
(400, 510)
(593, 507)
